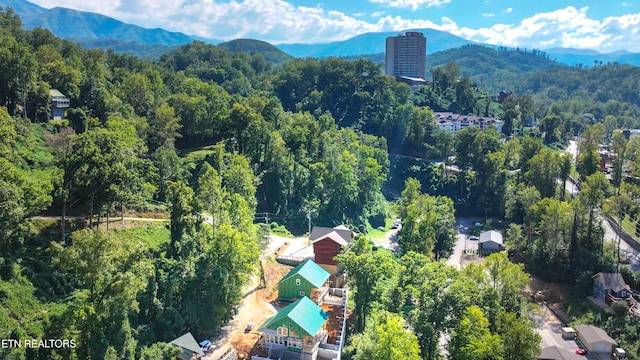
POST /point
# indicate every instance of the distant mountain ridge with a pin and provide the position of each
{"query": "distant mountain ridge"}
(82, 26)
(372, 43)
(95, 30)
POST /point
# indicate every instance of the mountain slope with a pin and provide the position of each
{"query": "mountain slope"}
(371, 43)
(589, 57)
(268, 51)
(23, 8)
(78, 25)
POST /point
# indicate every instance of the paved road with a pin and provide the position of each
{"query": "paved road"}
(462, 226)
(104, 219)
(609, 233)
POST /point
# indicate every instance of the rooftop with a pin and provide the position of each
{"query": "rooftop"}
(491, 235)
(558, 353)
(342, 235)
(311, 271)
(303, 312)
(189, 344)
(593, 334)
(613, 281)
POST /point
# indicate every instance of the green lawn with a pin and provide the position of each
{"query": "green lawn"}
(196, 154)
(630, 226)
(380, 234)
(152, 235)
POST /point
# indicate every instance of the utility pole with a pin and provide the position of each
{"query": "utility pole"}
(309, 222)
(267, 232)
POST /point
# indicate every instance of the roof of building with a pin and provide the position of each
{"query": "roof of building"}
(412, 78)
(311, 271)
(592, 334)
(558, 353)
(303, 312)
(188, 343)
(335, 237)
(342, 235)
(465, 118)
(55, 93)
(492, 236)
(612, 281)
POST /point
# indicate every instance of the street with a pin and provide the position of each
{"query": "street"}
(609, 233)
(462, 226)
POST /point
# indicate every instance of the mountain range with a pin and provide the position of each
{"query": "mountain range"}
(96, 30)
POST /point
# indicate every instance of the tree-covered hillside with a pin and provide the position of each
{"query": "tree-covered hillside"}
(217, 140)
(270, 53)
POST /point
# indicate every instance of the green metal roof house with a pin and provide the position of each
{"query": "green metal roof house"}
(306, 279)
(299, 328)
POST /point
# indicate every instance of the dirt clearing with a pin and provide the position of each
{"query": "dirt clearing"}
(257, 307)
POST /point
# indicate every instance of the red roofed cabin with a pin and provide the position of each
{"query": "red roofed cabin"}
(327, 243)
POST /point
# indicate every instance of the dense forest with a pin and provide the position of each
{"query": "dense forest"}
(217, 139)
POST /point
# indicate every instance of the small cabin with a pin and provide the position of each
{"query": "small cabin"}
(59, 103)
(609, 286)
(327, 243)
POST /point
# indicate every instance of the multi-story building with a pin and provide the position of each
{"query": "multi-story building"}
(453, 122)
(406, 55)
(59, 102)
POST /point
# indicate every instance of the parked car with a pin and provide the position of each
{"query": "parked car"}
(396, 223)
(581, 351)
(205, 345)
(249, 327)
(473, 237)
(478, 224)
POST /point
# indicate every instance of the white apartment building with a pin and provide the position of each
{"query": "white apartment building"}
(449, 121)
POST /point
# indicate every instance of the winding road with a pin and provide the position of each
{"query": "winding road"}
(610, 234)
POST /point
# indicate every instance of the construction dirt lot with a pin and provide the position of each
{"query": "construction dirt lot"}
(258, 305)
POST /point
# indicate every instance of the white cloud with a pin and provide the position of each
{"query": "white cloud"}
(508, 10)
(278, 21)
(411, 4)
(488, 15)
(568, 27)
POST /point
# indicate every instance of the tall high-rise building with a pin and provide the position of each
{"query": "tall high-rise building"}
(406, 55)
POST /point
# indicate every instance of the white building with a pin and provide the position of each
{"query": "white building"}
(449, 121)
(490, 241)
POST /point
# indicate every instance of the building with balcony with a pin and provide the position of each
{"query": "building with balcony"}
(406, 55)
(59, 102)
(449, 121)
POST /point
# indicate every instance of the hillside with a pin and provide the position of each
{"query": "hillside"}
(80, 25)
(589, 57)
(144, 51)
(268, 51)
(491, 68)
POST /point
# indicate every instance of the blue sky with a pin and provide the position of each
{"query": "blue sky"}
(595, 24)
